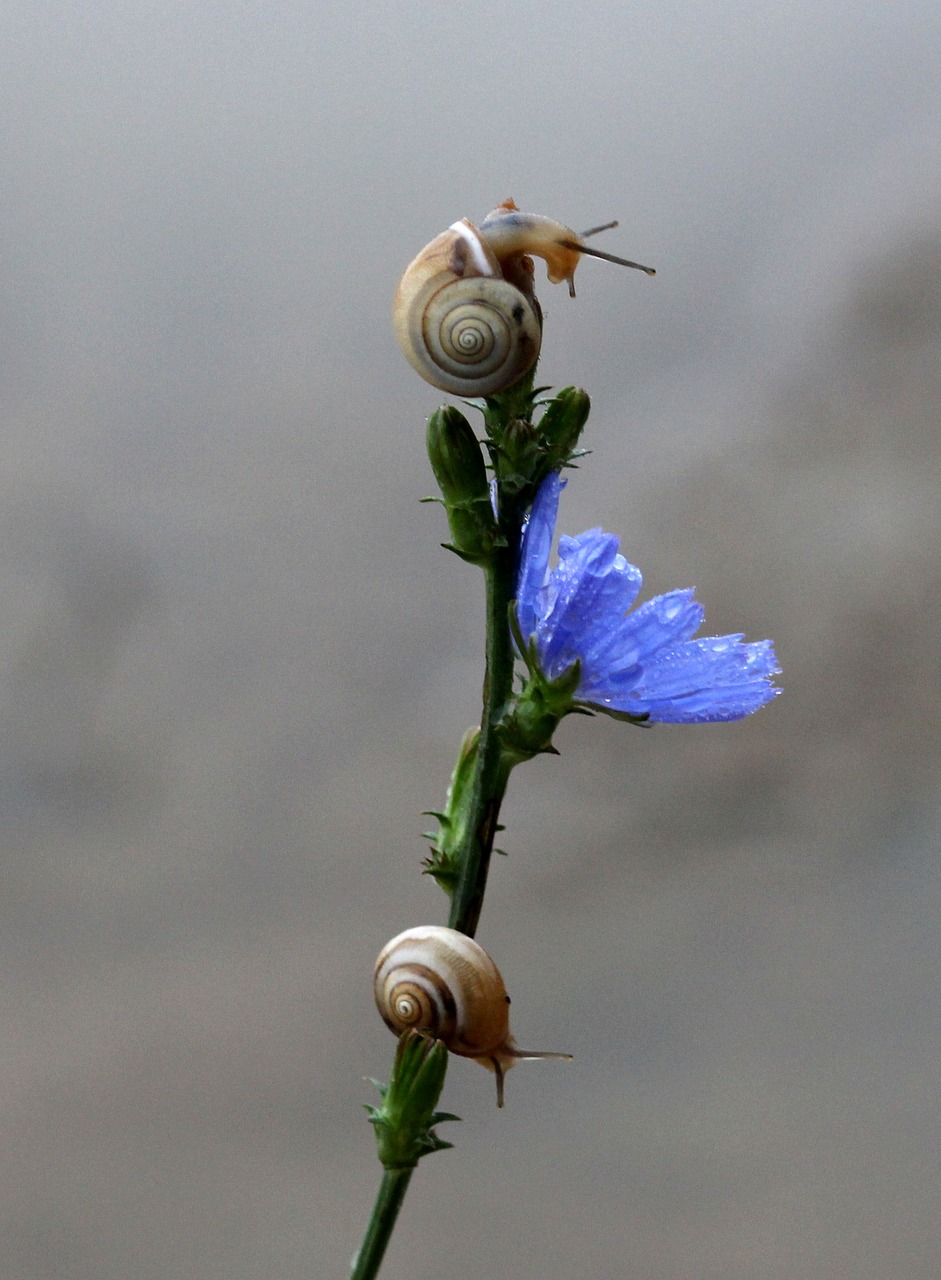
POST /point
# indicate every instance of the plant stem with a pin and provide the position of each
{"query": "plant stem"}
(479, 824)
(385, 1211)
(491, 773)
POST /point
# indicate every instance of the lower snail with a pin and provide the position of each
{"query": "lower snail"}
(465, 313)
(442, 982)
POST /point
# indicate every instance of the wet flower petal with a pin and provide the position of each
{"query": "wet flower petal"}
(644, 662)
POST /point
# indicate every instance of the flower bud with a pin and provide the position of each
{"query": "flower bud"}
(562, 424)
(519, 457)
(404, 1121)
(458, 464)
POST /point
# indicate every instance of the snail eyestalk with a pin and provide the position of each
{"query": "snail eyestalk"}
(607, 257)
(604, 226)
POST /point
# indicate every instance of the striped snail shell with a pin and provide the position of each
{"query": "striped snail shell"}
(441, 982)
(465, 313)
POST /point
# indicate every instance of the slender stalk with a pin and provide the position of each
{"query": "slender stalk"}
(392, 1190)
(492, 773)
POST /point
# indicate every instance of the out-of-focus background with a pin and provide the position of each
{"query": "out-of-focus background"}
(235, 664)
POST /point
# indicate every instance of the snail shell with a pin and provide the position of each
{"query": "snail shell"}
(465, 313)
(460, 323)
(441, 982)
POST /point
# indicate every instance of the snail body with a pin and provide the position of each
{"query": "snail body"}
(443, 983)
(509, 231)
(465, 313)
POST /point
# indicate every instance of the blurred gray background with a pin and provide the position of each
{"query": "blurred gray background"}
(235, 664)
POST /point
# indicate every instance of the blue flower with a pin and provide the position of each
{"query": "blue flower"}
(642, 663)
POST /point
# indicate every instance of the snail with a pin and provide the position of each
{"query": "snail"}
(465, 313)
(442, 982)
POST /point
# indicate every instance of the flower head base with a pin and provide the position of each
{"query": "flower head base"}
(642, 664)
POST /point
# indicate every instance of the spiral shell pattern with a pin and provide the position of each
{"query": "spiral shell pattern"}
(461, 325)
(440, 981)
(479, 335)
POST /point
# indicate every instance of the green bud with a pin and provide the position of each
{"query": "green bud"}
(404, 1121)
(518, 456)
(459, 468)
(525, 452)
(444, 859)
(562, 424)
(455, 455)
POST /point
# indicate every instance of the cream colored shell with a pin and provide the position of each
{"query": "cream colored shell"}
(439, 981)
(465, 313)
(461, 325)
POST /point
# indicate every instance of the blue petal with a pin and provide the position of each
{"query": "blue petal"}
(719, 678)
(534, 551)
(643, 634)
(718, 660)
(588, 594)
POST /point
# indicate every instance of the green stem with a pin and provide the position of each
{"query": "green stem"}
(492, 772)
(479, 821)
(392, 1190)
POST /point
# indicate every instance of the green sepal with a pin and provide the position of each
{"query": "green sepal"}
(527, 727)
(469, 557)
(518, 458)
(440, 866)
(526, 730)
(516, 401)
(641, 718)
(404, 1123)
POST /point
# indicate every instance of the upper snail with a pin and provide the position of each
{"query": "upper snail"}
(465, 313)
